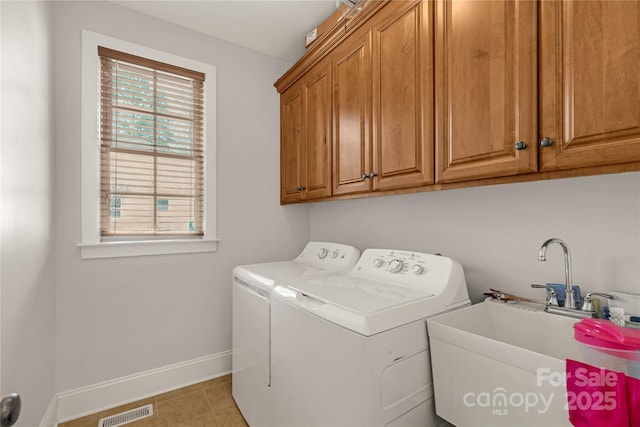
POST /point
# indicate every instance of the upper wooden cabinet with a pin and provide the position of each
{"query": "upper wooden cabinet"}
(589, 83)
(486, 97)
(352, 115)
(383, 91)
(403, 96)
(305, 143)
(413, 95)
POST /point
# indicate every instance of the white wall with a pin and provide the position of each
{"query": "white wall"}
(117, 317)
(27, 197)
(496, 231)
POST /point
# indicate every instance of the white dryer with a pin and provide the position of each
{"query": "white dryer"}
(252, 286)
(352, 349)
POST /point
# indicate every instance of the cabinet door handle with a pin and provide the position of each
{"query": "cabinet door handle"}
(371, 175)
(546, 142)
(521, 145)
(299, 189)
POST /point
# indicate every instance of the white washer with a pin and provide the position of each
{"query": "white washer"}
(352, 349)
(252, 286)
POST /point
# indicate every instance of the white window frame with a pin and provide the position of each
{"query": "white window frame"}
(92, 246)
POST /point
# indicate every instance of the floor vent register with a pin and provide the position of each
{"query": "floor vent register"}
(126, 417)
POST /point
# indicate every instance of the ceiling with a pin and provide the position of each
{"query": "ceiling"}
(274, 27)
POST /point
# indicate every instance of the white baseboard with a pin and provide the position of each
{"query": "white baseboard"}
(94, 398)
(50, 418)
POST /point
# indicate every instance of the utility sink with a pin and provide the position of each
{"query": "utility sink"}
(501, 364)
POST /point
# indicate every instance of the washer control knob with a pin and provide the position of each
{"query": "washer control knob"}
(395, 266)
(417, 269)
(322, 253)
(334, 254)
(377, 263)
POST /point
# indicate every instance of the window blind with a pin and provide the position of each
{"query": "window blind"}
(151, 147)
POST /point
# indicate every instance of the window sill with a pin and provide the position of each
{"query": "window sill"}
(145, 248)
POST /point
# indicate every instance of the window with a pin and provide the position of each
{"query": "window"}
(148, 151)
(152, 150)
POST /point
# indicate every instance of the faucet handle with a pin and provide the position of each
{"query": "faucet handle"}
(552, 297)
(587, 304)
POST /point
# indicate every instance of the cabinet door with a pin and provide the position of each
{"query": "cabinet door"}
(291, 144)
(486, 88)
(316, 91)
(590, 83)
(351, 116)
(305, 145)
(403, 96)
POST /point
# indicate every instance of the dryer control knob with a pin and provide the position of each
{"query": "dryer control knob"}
(334, 254)
(322, 253)
(377, 263)
(395, 266)
(417, 269)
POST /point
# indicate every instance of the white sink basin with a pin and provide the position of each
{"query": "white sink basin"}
(501, 364)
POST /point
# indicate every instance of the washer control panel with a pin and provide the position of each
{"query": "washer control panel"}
(412, 269)
(399, 262)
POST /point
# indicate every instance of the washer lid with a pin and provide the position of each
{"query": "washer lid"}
(356, 294)
(362, 305)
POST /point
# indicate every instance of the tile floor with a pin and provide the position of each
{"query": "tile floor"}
(207, 404)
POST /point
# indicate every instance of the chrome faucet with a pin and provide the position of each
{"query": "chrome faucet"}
(569, 299)
(587, 304)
